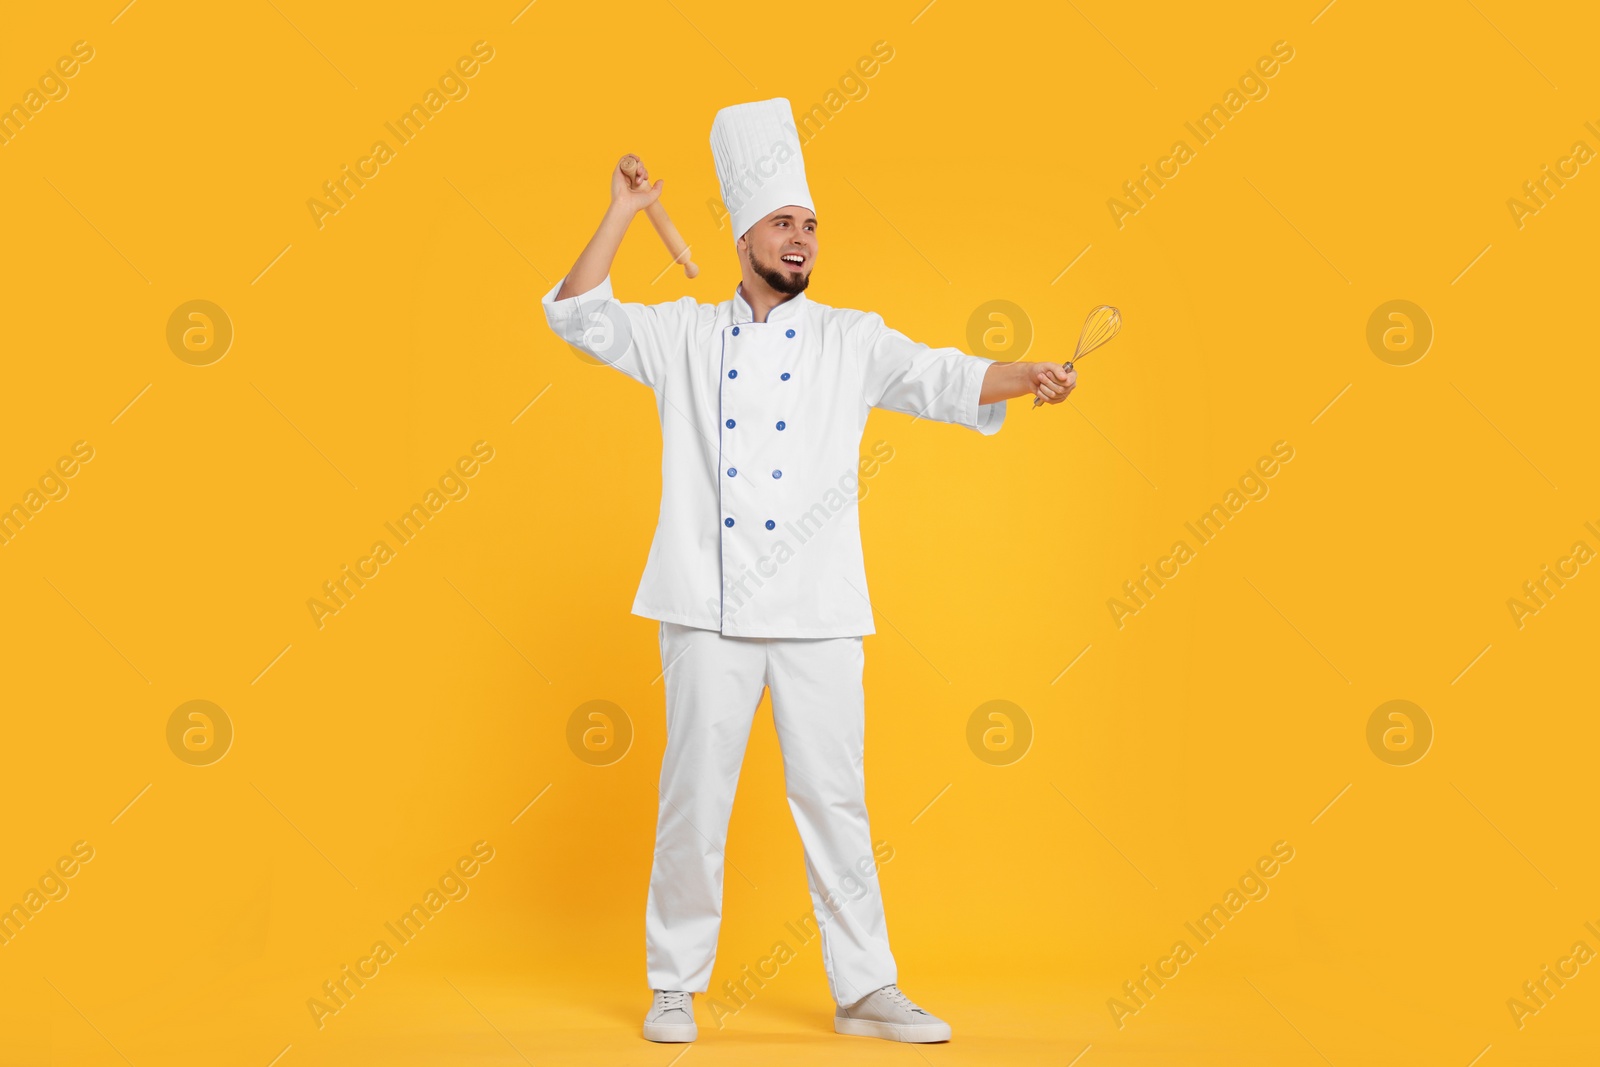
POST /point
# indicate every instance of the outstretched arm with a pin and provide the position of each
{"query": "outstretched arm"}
(594, 262)
(946, 384)
(1051, 382)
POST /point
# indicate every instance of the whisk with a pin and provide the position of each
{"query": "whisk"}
(1101, 326)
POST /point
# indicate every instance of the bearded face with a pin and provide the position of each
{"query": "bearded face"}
(781, 249)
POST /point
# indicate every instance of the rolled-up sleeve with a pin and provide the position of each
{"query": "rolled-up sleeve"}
(634, 338)
(942, 384)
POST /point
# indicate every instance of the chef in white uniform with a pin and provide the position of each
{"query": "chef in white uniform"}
(756, 572)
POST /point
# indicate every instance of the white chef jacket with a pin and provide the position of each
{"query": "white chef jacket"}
(761, 426)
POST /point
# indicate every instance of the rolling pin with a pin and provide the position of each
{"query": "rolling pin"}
(663, 224)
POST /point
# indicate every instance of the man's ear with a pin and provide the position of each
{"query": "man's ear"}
(742, 245)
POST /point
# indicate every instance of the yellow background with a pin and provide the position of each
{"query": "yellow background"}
(370, 353)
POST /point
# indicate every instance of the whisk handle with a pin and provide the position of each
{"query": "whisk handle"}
(1067, 366)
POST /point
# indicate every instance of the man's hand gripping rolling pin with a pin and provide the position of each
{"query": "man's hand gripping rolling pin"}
(631, 193)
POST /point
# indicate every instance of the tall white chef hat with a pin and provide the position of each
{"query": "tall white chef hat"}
(757, 154)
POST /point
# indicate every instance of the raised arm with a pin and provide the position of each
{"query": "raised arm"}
(640, 340)
(594, 262)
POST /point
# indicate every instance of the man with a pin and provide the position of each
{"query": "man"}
(756, 572)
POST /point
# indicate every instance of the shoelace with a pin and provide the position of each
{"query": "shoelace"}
(672, 999)
(894, 994)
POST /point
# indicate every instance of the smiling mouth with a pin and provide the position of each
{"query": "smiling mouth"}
(793, 259)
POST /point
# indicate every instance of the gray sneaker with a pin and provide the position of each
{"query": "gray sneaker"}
(671, 1017)
(890, 1014)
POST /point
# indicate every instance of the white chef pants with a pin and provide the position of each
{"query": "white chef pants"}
(713, 686)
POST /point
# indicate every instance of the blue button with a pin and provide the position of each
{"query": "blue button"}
(777, 474)
(771, 524)
(732, 471)
(736, 334)
(781, 424)
(727, 522)
(729, 424)
(784, 376)
(733, 374)
(788, 333)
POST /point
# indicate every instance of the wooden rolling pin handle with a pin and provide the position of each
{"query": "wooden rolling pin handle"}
(662, 222)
